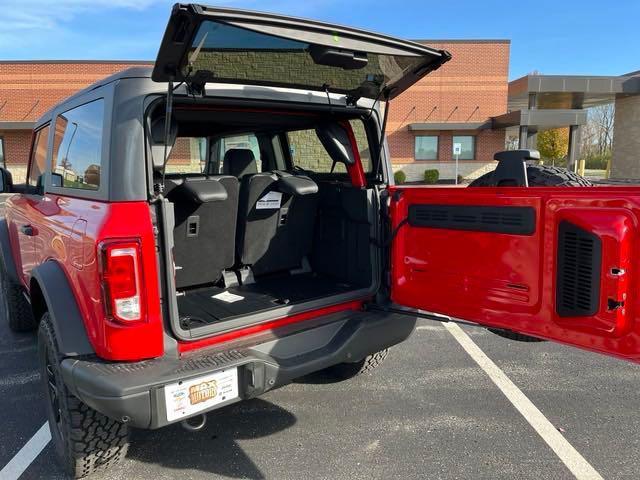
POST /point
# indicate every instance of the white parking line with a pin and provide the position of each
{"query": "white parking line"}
(575, 462)
(27, 454)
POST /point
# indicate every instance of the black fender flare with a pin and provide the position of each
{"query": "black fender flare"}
(63, 310)
(6, 253)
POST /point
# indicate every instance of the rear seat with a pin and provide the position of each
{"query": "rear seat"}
(204, 235)
(276, 215)
(205, 210)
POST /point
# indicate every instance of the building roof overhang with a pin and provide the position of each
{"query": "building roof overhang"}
(448, 126)
(540, 119)
(570, 91)
(17, 125)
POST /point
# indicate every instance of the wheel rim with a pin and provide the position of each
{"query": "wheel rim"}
(53, 393)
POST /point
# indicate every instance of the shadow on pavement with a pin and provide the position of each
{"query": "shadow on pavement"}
(213, 449)
(322, 377)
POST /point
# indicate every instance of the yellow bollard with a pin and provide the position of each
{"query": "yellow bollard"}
(581, 164)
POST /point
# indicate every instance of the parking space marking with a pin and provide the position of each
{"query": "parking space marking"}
(575, 462)
(27, 454)
(432, 328)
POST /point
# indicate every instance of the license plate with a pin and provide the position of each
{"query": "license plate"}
(191, 396)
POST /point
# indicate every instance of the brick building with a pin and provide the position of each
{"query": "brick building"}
(453, 104)
(28, 89)
(456, 101)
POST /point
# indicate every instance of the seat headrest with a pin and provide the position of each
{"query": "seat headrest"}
(295, 185)
(203, 190)
(157, 140)
(239, 162)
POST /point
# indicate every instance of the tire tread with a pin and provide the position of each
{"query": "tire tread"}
(93, 441)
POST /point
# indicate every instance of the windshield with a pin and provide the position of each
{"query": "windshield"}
(227, 53)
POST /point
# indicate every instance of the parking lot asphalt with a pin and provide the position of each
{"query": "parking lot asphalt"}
(428, 412)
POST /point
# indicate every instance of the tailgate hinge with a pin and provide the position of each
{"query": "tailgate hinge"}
(396, 309)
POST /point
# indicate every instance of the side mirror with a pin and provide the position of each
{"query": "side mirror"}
(6, 181)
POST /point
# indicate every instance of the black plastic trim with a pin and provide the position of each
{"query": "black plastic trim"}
(63, 309)
(135, 390)
(493, 219)
(6, 252)
(578, 271)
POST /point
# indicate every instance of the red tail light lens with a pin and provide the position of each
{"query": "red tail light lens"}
(121, 280)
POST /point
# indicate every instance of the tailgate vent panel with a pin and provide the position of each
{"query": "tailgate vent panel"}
(578, 271)
(494, 219)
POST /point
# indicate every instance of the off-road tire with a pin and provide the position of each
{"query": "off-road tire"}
(541, 176)
(14, 308)
(84, 440)
(345, 371)
(538, 176)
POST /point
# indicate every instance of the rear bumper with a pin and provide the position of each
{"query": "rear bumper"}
(135, 391)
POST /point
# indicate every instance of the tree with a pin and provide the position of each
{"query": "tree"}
(597, 134)
(553, 144)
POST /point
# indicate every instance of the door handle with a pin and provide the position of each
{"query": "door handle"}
(28, 230)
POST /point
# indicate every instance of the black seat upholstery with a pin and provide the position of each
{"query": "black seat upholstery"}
(205, 226)
(205, 210)
(276, 215)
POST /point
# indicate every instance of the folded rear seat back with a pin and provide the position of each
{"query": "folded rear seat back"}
(276, 215)
(205, 232)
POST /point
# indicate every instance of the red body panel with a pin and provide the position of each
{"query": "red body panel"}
(68, 231)
(509, 281)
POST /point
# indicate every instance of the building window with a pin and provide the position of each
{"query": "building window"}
(78, 147)
(426, 147)
(2, 159)
(468, 147)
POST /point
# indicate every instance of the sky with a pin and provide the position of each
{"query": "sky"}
(551, 37)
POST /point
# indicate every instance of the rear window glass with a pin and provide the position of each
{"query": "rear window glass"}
(188, 155)
(77, 152)
(233, 54)
(308, 153)
(248, 141)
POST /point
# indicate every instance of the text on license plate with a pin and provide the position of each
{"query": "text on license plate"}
(191, 396)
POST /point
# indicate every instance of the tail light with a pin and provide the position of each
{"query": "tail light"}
(121, 272)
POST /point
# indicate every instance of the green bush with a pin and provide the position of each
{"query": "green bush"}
(431, 176)
(597, 161)
(400, 177)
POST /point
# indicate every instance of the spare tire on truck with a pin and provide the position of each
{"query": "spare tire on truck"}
(537, 176)
(541, 176)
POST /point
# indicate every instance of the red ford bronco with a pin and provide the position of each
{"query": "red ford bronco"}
(200, 233)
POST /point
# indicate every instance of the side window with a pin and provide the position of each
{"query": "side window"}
(77, 149)
(363, 144)
(308, 152)
(248, 141)
(188, 155)
(38, 158)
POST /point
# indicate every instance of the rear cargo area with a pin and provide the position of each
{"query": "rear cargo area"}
(267, 219)
(338, 262)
